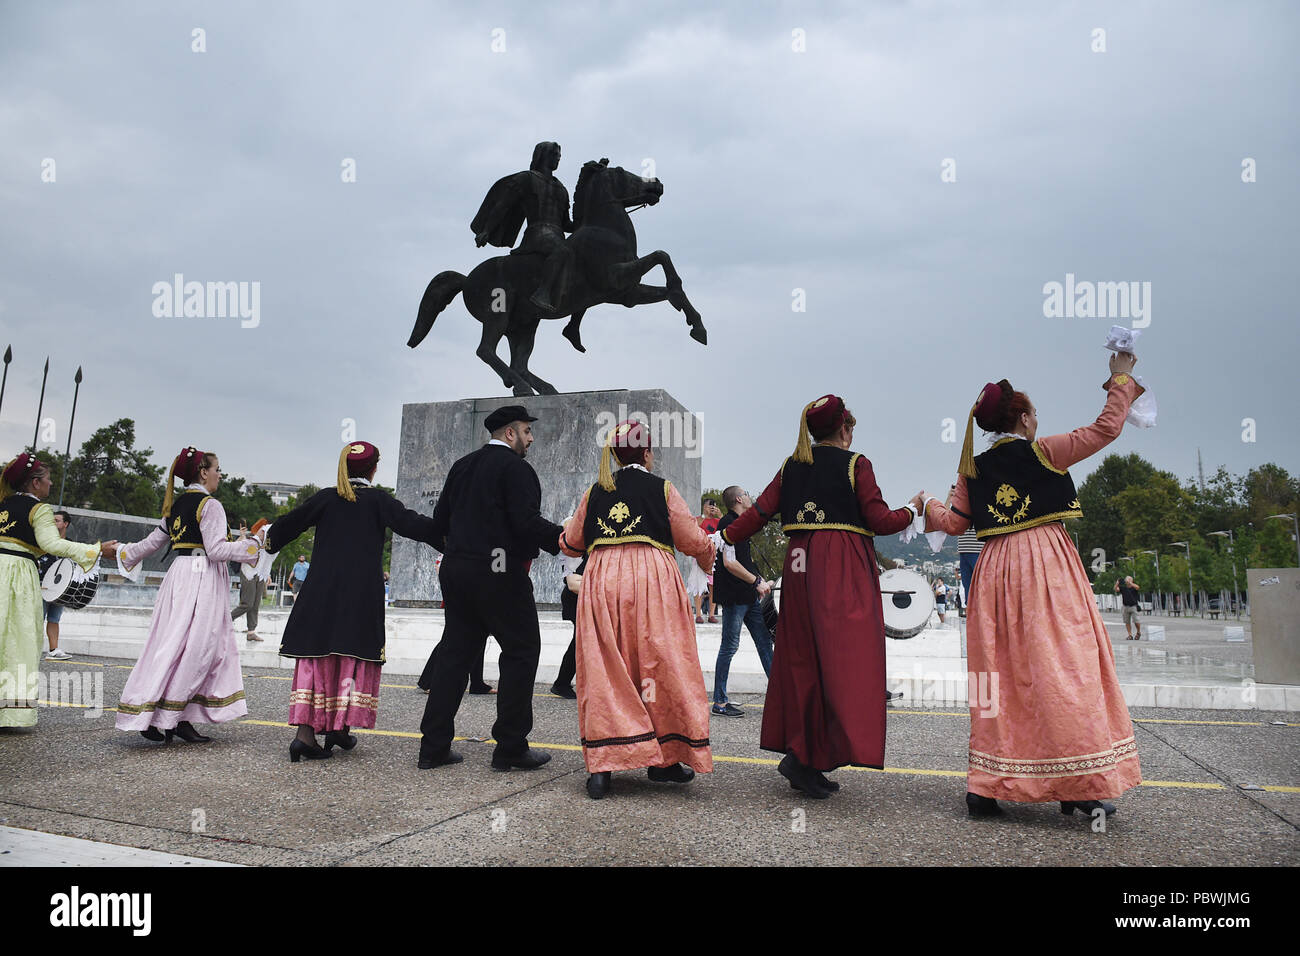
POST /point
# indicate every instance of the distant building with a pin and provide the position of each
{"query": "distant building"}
(281, 493)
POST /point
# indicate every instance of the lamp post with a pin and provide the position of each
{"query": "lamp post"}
(1296, 525)
(1232, 549)
(1184, 544)
(1161, 596)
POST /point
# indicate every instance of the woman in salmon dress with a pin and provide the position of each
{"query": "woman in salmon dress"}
(1048, 719)
(641, 695)
(189, 668)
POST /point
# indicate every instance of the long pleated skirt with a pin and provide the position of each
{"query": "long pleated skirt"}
(1048, 718)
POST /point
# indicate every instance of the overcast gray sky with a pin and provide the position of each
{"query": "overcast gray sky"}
(817, 169)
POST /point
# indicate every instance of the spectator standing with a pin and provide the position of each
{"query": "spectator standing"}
(1129, 594)
(739, 588)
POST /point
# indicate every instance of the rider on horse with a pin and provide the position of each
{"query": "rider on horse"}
(538, 196)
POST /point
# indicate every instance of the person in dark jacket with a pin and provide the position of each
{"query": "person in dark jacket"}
(336, 627)
(489, 527)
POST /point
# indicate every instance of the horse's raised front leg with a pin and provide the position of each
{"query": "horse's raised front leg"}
(632, 271)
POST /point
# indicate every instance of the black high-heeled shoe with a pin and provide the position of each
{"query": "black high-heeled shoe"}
(312, 751)
(186, 732)
(154, 734)
(1086, 807)
(339, 738)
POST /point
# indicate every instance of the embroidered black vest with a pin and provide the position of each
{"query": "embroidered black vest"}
(821, 496)
(1017, 489)
(183, 525)
(636, 511)
(16, 522)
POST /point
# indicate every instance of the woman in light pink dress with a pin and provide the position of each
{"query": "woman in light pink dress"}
(1048, 719)
(189, 668)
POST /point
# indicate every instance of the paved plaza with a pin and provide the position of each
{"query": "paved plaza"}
(1222, 788)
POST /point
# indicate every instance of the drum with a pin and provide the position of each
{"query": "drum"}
(66, 584)
(908, 603)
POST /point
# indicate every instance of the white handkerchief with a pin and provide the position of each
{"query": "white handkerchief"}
(1120, 339)
(1142, 412)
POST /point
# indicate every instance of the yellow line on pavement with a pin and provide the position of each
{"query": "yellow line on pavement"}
(771, 762)
(46, 660)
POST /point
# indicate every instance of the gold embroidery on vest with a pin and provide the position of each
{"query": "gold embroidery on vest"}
(812, 511)
(1006, 496)
(619, 513)
(4, 516)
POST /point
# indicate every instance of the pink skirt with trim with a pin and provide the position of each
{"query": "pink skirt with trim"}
(334, 692)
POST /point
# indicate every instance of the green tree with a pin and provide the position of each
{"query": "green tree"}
(1154, 513)
(111, 474)
(1102, 525)
(1270, 490)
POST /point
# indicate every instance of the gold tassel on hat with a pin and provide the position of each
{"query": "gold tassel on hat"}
(606, 474)
(167, 495)
(5, 490)
(344, 486)
(803, 447)
(967, 464)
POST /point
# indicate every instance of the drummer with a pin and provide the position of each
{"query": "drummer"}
(825, 703)
(28, 531)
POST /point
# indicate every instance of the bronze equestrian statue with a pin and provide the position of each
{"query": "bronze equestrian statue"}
(550, 275)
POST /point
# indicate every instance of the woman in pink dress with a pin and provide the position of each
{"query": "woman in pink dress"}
(189, 668)
(641, 695)
(1048, 719)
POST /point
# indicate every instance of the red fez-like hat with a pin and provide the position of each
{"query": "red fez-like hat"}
(18, 469)
(186, 464)
(630, 434)
(361, 458)
(986, 405)
(825, 414)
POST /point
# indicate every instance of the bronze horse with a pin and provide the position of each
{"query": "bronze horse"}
(606, 269)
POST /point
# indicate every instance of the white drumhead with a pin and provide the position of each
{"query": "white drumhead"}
(57, 578)
(908, 608)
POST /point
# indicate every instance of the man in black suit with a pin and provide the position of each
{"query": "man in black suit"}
(490, 527)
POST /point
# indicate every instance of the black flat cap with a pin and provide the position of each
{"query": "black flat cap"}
(506, 414)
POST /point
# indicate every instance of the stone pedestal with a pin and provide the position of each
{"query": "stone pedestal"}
(566, 455)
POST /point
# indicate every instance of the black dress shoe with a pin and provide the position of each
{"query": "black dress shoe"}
(528, 760)
(312, 751)
(185, 730)
(1086, 807)
(154, 734)
(978, 806)
(482, 689)
(825, 781)
(677, 773)
(441, 760)
(801, 778)
(598, 784)
(564, 690)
